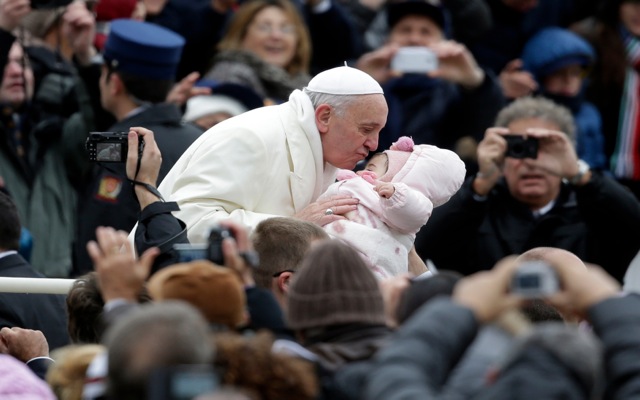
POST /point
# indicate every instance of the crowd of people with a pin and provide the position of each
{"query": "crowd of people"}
(271, 199)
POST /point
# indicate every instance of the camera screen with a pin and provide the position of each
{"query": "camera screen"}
(188, 384)
(529, 281)
(191, 252)
(109, 152)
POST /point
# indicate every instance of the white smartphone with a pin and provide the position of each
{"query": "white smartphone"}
(416, 59)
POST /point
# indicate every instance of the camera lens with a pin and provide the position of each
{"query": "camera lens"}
(517, 149)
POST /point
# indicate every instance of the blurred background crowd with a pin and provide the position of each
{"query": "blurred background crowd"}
(306, 318)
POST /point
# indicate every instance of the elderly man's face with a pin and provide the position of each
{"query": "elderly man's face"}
(17, 81)
(415, 30)
(349, 138)
(527, 182)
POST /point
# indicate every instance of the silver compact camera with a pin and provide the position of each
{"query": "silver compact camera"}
(535, 279)
(414, 59)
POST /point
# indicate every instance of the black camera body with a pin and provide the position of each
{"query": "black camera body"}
(111, 147)
(520, 147)
(41, 4)
(212, 250)
(535, 279)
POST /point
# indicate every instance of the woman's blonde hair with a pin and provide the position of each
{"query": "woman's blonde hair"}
(245, 15)
(66, 376)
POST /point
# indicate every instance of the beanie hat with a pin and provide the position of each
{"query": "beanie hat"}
(107, 10)
(333, 286)
(39, 22)
(344, 81)
(436, 173)
(432, 9)
(232, 98)
(397, 156)
(200, 106)
(216, 291)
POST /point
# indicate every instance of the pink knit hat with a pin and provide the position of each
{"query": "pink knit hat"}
(397, 156)
(436, 173)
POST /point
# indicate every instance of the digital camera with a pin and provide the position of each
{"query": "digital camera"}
(534, 279)
(212, 250)
(182, 382)
(110, 146)
(520, 147)
(414, 59)
(40, 4)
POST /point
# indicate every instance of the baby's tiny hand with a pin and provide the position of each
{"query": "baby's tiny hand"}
(385, 190)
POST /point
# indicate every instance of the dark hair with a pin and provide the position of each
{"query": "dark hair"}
(423, 290)
(537, 311)
(84, 309)
(9, 224)
(141, 88)
(281, 243)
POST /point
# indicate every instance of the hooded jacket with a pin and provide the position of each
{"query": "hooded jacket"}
(550, 50)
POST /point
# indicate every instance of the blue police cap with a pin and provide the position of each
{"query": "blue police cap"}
(143, 49)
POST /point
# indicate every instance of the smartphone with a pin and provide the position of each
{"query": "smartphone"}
(414, 59)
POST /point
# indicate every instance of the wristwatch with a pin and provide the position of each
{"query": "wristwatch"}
(583, 168)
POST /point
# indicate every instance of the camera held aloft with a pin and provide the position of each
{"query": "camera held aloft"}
(110, 146)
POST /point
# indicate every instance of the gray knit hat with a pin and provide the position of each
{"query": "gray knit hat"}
(39, 22)
(333, 286)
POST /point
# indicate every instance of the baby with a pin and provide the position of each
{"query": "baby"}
(397, 191)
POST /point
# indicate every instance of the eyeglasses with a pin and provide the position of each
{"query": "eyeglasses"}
(277, 274)
(268, 29)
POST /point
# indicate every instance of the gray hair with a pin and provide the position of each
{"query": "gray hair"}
(540, 108)
(339, 102)
(151, 336)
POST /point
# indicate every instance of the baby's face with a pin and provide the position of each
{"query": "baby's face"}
(378, 164)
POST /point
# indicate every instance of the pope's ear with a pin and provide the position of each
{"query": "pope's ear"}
(323, 115)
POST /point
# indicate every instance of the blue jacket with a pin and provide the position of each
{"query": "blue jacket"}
(554, 48)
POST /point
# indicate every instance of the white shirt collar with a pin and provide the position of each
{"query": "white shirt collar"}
(542, 211)
(7, 253)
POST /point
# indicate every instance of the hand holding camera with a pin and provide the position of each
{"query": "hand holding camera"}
(535, 280)
(556, 153)
(110, 147)
(559, 277)
(487, 293)
(237, 254)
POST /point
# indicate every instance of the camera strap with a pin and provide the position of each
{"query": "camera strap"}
(149, 188)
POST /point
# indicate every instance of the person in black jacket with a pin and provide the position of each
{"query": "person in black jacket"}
(136, 78)
(457, 99)
(43, 312)
(515, 204)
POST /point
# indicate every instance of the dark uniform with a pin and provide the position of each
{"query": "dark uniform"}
(109, 199)
(43, 312)
(151, 54)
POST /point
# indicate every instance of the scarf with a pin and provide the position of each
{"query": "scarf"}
(625, 160)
